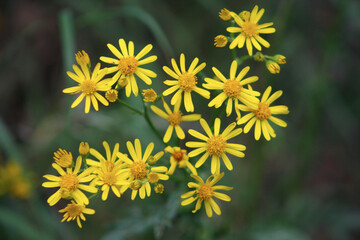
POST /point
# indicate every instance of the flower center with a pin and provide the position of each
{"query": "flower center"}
(175, 118)
(128, 65)
(216, 145)
(263, 111)
(187, 82)
(249, 29)
(88, 86)
(153, 178)
(109, 178)
(205, 192)
(178, 156)
(232, 88)
(138, 170)
(69, 181)
(74, 210)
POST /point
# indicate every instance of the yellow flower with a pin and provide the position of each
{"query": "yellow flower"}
(262, 113)
(75, 211)
(175, 118)
(185, 81)
(149, 95)
(84, 148)
(82, 58)
(111, 95)
(89, 86)
(179, 158)
(224, 14)
(205, 192)
(63, 158)
(138, 169)
(128, 65)
(273, 67)
(159, 188)
(72, 181)
(220, 41)
(249, 31)
(216, 145)
(280, 59)
(108, 171)
(232, 89)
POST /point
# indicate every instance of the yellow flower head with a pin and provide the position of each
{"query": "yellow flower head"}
(111, 95)
(149, 95)
(204, 192)
(232, 89)
(273, 67)
(249, 31)
(127, 65)
(138, 169)
(75, 211)
(109, 170)
(216, 145)
(82, 58)
(220, 41)
(84, 148)
(63, 158)
(89, 86)
(262, 113)
(159, 188)
(179, 158)
(224, 14)
(280, 59)
(185, 81)
(174, 118)
(72, 181)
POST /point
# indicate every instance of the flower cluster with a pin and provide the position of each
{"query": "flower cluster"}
(137, 171)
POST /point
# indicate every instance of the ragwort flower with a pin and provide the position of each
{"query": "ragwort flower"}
(70, 182)
(262, 113)
(205, 192)
(185, 81)
(175, 118)
(216, 145)
(137, 169)
(89, 85)
(179, 158)
(75, 211)
(249, 31)
(232, 89)
(128, 65)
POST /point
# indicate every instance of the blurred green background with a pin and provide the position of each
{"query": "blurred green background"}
(302, 185)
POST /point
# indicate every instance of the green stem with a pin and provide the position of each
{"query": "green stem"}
(148, 120)
(242, 59)
(130, 107)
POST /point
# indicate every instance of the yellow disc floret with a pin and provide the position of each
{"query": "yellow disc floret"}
(249, 29)
(69, 181)
(216, 145)
(175, 118)
(88, 86)
(128, 65)
(205, 192)
(187, 82)
(153, 178)
(232, 88)
(109, 178)
(138, 170)
(263, 111)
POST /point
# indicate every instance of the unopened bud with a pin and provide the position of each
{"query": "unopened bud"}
(159, 188)
(135, 185)
(84, 148)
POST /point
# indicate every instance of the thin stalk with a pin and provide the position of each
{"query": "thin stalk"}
(130, 107)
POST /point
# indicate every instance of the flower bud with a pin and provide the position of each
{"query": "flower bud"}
(123, 82)
(224, 14)
(245, 15)
(280, 59)
(220, 41)
(149, 95)
(153, 178)
(84, 148)
(159, 188)
(111, 95)
(273, 67)
(135, 185)
(259, 57)
(82, 58)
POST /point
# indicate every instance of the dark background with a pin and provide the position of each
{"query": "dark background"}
(302, 185)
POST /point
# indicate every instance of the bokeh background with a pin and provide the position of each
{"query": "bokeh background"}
(302, 185)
